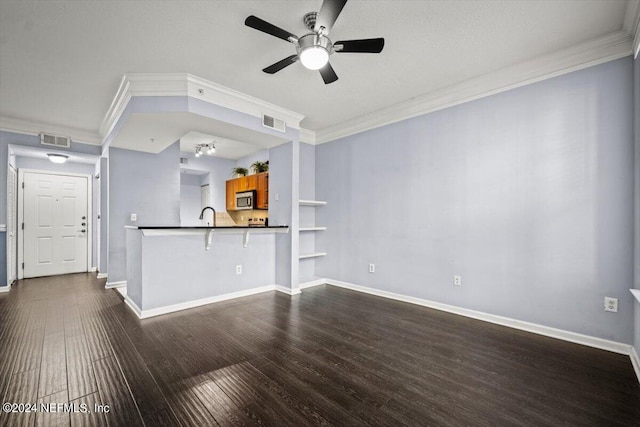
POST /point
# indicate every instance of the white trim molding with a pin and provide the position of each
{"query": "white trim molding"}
(632, 24)
(635, 361)
(144, 314)
(612, 46)
(613, 346)
(27, 127)
(311, 284)
(3, 228)
(286, 290)
(185, 84)
(111, 285)
(5, 288)
(102, 276)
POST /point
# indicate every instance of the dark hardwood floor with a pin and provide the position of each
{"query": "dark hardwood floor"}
(327, 357)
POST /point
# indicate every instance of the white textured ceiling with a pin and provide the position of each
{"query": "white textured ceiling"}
(61, 61)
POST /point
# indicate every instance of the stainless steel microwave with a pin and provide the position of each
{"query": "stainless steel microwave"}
(245, 200)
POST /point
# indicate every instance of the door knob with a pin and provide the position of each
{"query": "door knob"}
(84, 223)
(84, 217)
(83, 230)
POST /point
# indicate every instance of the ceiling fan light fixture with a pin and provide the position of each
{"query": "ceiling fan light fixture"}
(211, 148)
(314, 50)
(57, 158)
(198, 151)
(314, 57)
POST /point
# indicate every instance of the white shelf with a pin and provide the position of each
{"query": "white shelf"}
(312, 228)
(311, 203)
(313, 255)
(636, 293)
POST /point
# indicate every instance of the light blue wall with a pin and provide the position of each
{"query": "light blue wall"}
(526, 194)
(145, 184)
(636, 91)
(219, 171)
(283, 211)
(10, 138)
(158, 264)
(190, 199)
(247, 161)
(46, 165)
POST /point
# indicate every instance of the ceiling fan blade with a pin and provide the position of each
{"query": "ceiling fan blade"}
(265, 27)
(328, 14)
(274, 68)
(361, 46)
(328, 75)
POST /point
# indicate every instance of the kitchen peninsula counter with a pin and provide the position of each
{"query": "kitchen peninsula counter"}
(171, 268)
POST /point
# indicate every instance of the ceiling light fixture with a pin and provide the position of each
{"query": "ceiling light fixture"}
(314, 50)
(57, 158)
(209, 148)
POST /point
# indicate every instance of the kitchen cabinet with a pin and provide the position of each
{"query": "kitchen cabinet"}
(246, 183)
(262, 194)
(257, 182)
(231, 194)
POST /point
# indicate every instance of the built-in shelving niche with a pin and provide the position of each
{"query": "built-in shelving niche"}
(311, 228)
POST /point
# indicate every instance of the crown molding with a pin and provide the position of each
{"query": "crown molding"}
(184, 84)
(597, 51)
(307, 136)
(27, 127)
(232, 99)
(632, 24)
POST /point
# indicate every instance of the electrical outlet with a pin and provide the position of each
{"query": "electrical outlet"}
(134, 217)
(239, 269)
(611, 304)
(457, 280)
(372, 268)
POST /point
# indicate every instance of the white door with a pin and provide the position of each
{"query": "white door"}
(56, 223)
(12, 197)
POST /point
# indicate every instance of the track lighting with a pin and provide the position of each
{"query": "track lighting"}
(209, 148)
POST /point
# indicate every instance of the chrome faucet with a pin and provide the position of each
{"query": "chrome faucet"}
(214, 214)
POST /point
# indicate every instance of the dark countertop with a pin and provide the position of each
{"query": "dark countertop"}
(202, 227)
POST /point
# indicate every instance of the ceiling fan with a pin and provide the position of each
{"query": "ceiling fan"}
(313, 49)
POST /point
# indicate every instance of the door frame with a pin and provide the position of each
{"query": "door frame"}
(14, 256)
(89, 179)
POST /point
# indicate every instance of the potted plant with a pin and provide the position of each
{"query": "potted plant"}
(239, 171)
(259, 166)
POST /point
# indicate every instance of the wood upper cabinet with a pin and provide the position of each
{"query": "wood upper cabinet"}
(231, 194)
(262, 194)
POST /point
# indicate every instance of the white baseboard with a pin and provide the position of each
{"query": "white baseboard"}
(110, 285)
(635, 361)
(613, 346)
(286, 290)
(5, 288)
(133, 306)
(102, 275)
(311, 284)
(144, 314)
(93, 270)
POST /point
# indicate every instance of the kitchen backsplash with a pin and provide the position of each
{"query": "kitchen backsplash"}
(242, 217)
